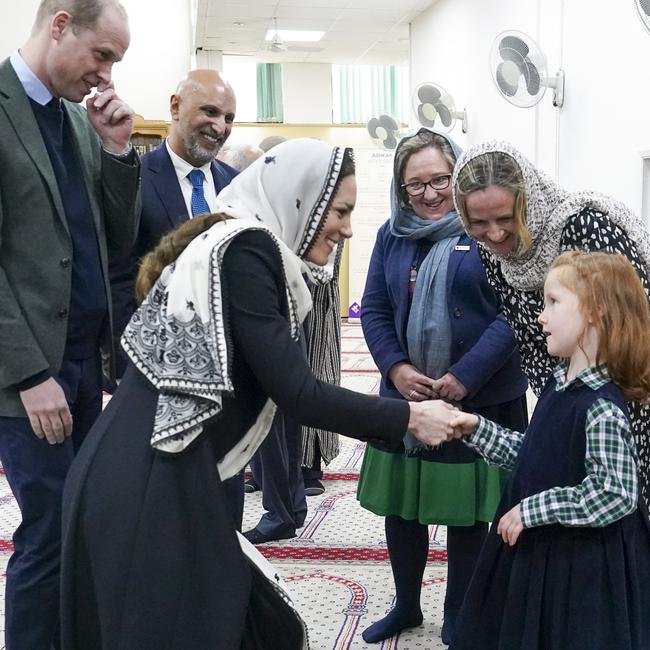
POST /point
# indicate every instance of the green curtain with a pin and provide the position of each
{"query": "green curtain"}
(365, 91)
(269, 92)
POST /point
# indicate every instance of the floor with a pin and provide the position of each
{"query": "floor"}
(337, 567)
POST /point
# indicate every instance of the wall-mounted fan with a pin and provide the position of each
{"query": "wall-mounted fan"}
(434, 107)
(643, 7)
(384, 131)
(518, 68)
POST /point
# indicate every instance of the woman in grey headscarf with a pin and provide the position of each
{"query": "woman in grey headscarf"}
(524, 220)
(434, 328)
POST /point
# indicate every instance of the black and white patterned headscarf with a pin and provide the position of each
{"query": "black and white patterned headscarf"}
(177, 336)
(548, 208)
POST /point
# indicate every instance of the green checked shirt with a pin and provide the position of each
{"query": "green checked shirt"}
(608, 492)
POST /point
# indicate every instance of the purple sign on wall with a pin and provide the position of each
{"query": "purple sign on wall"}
(354, 312)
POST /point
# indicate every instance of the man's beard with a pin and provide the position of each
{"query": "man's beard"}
(199, 155)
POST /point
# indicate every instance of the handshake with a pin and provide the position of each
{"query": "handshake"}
(434, 422)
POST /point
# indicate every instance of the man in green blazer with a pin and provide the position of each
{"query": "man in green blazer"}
(68, 192)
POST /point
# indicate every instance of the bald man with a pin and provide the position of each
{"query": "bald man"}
(239, 156)
(180, 178)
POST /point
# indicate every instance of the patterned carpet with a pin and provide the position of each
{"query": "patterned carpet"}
(337, 567)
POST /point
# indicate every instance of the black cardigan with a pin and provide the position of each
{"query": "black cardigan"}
(150, 556)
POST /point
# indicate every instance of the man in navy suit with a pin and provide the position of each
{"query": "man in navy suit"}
(202, 114)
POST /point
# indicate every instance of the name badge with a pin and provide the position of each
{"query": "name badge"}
(462, 248)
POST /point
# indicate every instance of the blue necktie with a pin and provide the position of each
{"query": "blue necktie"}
(199, 204)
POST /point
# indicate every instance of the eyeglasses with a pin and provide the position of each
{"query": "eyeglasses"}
(415, 188)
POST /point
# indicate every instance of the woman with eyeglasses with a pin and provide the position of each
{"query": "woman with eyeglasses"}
(434, 327)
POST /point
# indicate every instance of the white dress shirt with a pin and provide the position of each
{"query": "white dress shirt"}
(182, 169)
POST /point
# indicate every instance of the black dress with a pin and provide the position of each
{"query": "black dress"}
(150, 556)
(559, 587)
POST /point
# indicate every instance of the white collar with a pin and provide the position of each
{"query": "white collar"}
(34, 88)
(182, 167)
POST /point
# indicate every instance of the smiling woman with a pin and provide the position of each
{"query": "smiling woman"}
(214, 347)
(337, 225)
(524, 220)
(425, 175)
(434, 328)
(491, 219)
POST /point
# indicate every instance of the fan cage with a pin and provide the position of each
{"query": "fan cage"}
(643, 9)
(535, 57)
(431, 116)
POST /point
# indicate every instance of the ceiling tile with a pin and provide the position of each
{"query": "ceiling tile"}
(356, 30)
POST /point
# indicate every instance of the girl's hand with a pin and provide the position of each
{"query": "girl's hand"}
(464, 424)
(411, 383)
(510, 526)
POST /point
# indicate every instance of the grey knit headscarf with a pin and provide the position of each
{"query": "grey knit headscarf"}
(548, 207)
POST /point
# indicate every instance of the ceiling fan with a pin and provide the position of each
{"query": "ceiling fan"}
(277, 44)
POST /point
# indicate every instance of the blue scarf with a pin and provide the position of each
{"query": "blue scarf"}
(428, 332)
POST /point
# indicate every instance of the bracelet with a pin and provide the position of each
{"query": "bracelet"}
(122, 155)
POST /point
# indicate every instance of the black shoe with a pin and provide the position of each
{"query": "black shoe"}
(448, 629)
(250, 486)
(255, 537)
(313, 487)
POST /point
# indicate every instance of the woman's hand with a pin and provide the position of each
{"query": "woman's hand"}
(510, 526)
(449, 387)
(430, 422)
(464, 424)
(411, 383)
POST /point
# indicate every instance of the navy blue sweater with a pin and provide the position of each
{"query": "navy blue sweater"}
(88, 307)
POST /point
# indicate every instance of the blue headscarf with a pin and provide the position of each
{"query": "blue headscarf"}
(428, 332)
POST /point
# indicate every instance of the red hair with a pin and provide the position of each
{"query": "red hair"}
(613, 299)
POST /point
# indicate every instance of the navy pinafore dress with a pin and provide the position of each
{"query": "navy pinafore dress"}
(559, 587)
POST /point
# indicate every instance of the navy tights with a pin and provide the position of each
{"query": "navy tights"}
(408, 548)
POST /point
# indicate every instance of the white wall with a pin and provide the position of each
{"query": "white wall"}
(158, 57)
(241, 72)
(307, 93)
(595, 140)
(15, 28)
(605, 124)
(450, 45)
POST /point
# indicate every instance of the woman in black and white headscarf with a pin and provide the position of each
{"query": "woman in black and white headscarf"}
(150, 554)
(524, 220)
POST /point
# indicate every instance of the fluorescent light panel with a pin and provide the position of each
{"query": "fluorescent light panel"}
(297, 35)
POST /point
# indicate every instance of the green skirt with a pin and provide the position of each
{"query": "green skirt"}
(447, 493)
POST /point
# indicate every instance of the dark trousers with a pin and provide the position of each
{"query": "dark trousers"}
(276, 469)
(36, 472)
